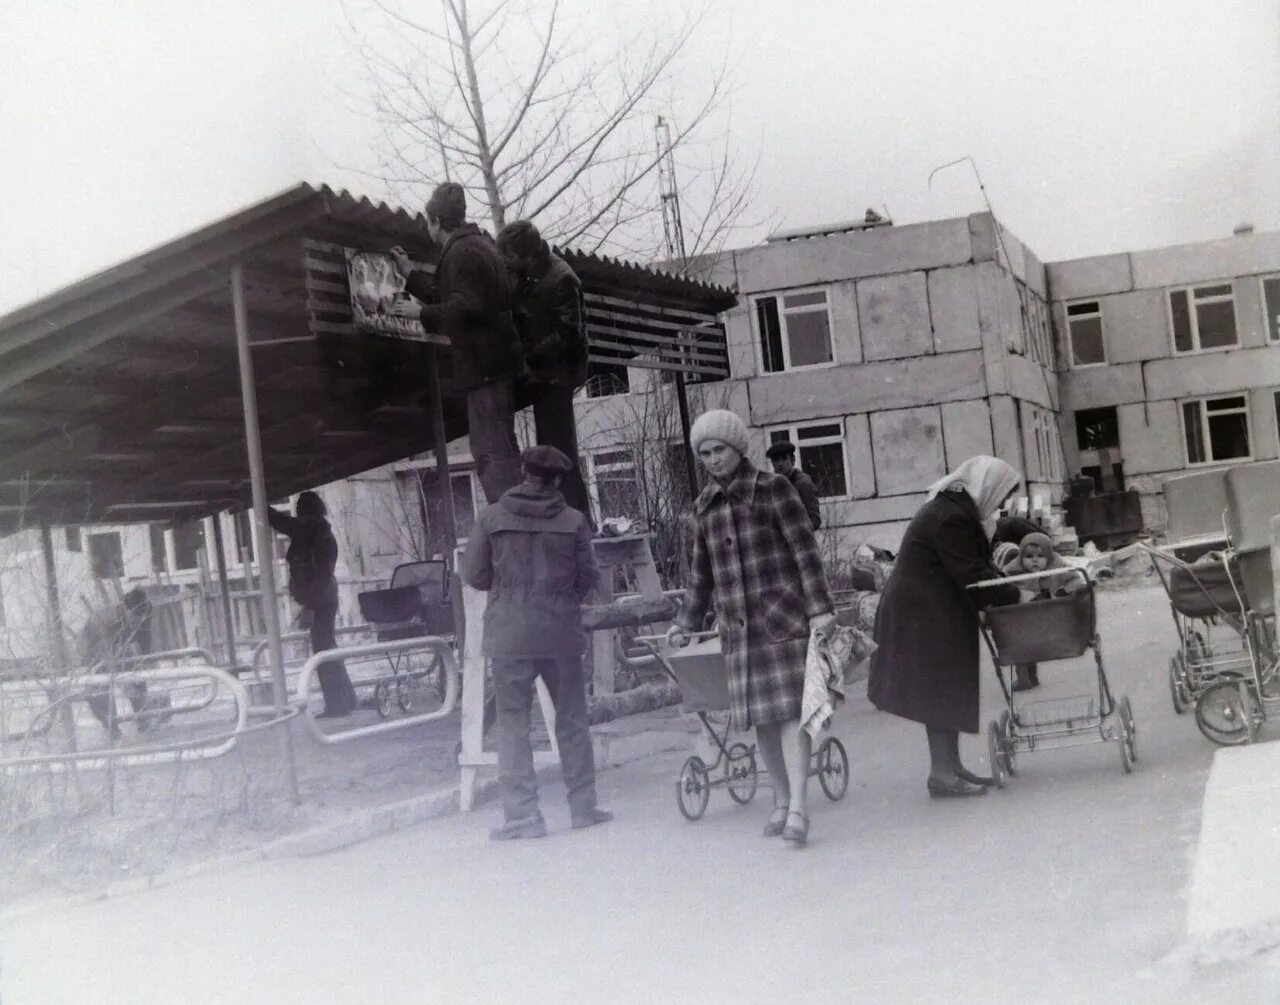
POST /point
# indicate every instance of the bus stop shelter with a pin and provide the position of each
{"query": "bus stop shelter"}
(225, 367)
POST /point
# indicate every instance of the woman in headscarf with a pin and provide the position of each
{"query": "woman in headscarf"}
(926, 666)
(755, 558)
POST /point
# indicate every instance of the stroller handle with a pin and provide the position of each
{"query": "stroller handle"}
(1060, 572)
(653, 642)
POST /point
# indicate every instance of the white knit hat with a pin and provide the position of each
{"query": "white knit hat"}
(719, 424)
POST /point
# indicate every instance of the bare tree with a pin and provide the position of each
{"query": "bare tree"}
(501, 97)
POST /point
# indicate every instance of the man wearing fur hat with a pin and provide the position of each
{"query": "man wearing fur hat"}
(470, 303)
(532, 554)
(551, 319)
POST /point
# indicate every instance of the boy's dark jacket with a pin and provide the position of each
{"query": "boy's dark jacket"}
(551, 317)
(470, 303)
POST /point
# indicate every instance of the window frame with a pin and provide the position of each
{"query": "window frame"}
(1202, 401)
(792, 429)
(1266, 309)
(1102, 331)
(787, 366)
(609, 467)
(1189, 289)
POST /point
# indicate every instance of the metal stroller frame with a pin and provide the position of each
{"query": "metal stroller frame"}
(417, 604)
(1040, 631)
(704, 687)
(1206, 654)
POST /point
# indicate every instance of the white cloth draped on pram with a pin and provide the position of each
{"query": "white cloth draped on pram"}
(830, 662)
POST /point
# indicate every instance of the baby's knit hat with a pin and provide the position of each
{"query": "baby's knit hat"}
(1046, 545)
(719, 424)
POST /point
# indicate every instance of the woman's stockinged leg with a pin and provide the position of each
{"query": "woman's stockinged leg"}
(769, 740)
(941, 766)
(797, 746)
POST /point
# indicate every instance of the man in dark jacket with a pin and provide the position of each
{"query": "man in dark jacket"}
(550, 316)
(782, 457)
(532, 553)
(470, 303)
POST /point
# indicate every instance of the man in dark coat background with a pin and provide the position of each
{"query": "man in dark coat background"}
(551, 318)
(782, 457)
(532, 554)
(470, 303)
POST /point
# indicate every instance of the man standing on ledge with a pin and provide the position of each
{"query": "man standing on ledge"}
(532, 553)
(782, 457)
(470, 303)
(551, 319)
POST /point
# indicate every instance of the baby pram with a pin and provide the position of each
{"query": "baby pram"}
(1040, 631)
(1209, 618)
(699, 671)
(416, 604)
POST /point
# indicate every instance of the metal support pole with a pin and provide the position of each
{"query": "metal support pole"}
(691, 466)
(257, 479)
(51, 599)
(229, 624)
(442, 452)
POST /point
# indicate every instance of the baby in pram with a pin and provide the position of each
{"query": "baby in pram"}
(1035, 554)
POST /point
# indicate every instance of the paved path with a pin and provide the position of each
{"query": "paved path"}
(1067, 887)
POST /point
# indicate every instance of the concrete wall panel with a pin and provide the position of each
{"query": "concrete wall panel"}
(861, 461)
(846, 330)
(871, 387)
(1262, 419)
(1097, 387)
(1151, 438)
(1194, 263)
(740, 340)
(1136, 326)
(966, 431)
(1090, 277)
(1213, 373)
(1030, 381)
(1251, 319)
(1004, 429)
(894, 315)
(854, 255)
(953, 309)
(908, 449)
(882, 509)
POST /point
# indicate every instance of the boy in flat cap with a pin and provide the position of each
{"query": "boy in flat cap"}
(470, 303)
(532, 553)
(782, 458)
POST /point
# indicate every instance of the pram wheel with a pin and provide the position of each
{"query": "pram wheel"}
(1006, 746)
(740, 773)
(833, 768)
(1228, 712)
(1177, 684)
(404, 692)
(693, 789)
(1128, 732)
(436, 674)
(995, 753)
(382, 696)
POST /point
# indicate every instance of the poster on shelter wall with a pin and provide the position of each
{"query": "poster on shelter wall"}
(376, 287)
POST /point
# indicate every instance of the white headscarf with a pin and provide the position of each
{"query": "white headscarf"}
(987, 480)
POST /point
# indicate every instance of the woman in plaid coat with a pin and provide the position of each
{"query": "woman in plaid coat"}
(756, 559)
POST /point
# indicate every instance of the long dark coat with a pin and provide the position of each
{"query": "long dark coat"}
(755, 556)
(551, 317)
(312, 558)
(926, 668)
(470, 302)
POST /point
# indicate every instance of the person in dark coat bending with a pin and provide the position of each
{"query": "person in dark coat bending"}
(470, 303)
(532, 554)
(551, 318)
(755, 557)
(926, 666)
(782, 457)
(312, 557)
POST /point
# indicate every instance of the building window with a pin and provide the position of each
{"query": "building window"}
(1203, 317)
(188, 544)
(794, 330)
(242, 526)
(462, 485)
(819, 454)
(1271, 304)
(1216, 429)
(159, 559)
(617, 489)
(106, 557)
(74, 542)
(1084, 331)
(605, 379)
(1097, 428)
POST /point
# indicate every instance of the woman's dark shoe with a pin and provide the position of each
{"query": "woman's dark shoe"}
(777, 822)
(943, 790)
(796, 832)
(968, 776)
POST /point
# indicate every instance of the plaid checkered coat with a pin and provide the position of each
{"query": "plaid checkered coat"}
(755, 558)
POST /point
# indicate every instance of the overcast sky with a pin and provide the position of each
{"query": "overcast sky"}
(1097, 125)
